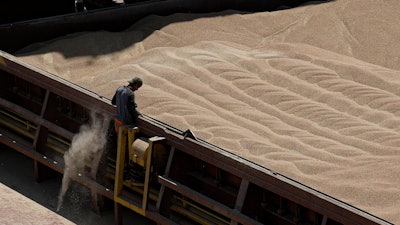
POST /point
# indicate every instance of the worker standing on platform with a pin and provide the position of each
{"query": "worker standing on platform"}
(124, 99)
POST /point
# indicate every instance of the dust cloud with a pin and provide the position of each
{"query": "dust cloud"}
(85, 146)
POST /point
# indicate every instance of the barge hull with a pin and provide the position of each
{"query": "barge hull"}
(179, 179)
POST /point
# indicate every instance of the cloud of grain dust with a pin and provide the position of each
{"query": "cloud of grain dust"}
(85, 145)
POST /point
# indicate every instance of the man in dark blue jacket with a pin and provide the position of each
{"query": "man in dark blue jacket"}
(124, 99)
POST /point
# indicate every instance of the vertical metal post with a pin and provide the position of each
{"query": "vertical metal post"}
(39, 144)
(119, 168)
(244, 185)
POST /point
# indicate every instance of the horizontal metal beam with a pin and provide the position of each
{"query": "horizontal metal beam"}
(206, 201)
(54, 84)
(24, 147)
